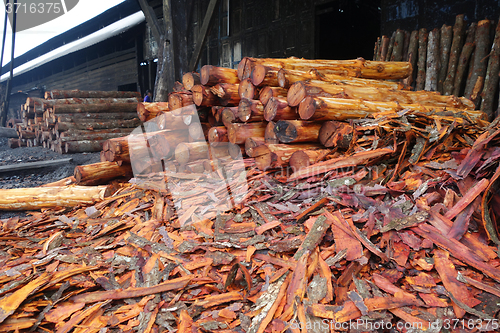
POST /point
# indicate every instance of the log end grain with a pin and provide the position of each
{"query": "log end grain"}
(246, 89)
(307, 108)
(245, 110)
(285, 131)
(336, 134)
(258, 74)
(296, 93)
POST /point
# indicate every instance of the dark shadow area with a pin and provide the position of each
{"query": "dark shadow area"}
(346, 29)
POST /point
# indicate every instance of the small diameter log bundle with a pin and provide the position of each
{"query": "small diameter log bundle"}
(50, 197)
(101, 173)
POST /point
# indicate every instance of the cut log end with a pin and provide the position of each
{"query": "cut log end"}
(307, 108)
(285, 131)
(296, 93)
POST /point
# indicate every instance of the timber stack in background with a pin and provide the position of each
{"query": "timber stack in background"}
(458, 60)
(281, 112)
(75, 121)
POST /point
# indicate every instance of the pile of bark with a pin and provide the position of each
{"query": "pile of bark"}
(75, 121)
(460, 60)
(398, 231)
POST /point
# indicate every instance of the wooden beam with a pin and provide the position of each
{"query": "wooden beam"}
(33, 165)
(151, 20)
(203, 34)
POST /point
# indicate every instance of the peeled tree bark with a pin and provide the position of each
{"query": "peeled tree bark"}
(49, 197)
(356, 68)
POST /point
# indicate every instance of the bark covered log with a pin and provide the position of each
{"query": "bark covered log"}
(50, 197)
(85, 146)
(412, 57)
(431, 73)
(456, 46)
(491, 79)
(422, 57)
(384, 47)
(445, 45)
(94, 108)
(482, 41)
(94, 125)
(464, 59)
(397, 50)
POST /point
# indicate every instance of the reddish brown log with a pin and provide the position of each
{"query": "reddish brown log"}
(278, 109)
(356, 68)
(267, 92)
(246, 89)
(90, 135)
(59, 94)
(235, 151)
(277, 155)
(170, 121)
(148, 111)
(190, 79)
(323, 108)
(422, 57)
(264, 76)
(203, 96)
(238, 133)
(230, 116)
(189, 152)
(336, 134)
(217, 135)
(250, 110)
(269, 134)
(211, 75)
(293, 131)
(251, 143)
(179, 100)
(227, 92)
(16, 143)
(162, 144)
(287, 77)
(304, 158)
(198, 131)
(101, 173)
(299, 90)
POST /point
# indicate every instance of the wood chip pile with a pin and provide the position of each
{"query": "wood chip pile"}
(75, 121)
(460, 60)
(391, 221)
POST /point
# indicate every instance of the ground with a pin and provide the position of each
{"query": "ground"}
(36, 177)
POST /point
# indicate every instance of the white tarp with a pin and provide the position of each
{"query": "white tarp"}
(94, 38)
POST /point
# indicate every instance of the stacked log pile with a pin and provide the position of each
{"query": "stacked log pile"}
(458, 60)
(270, 109)
(74, 121)
(399, 230)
